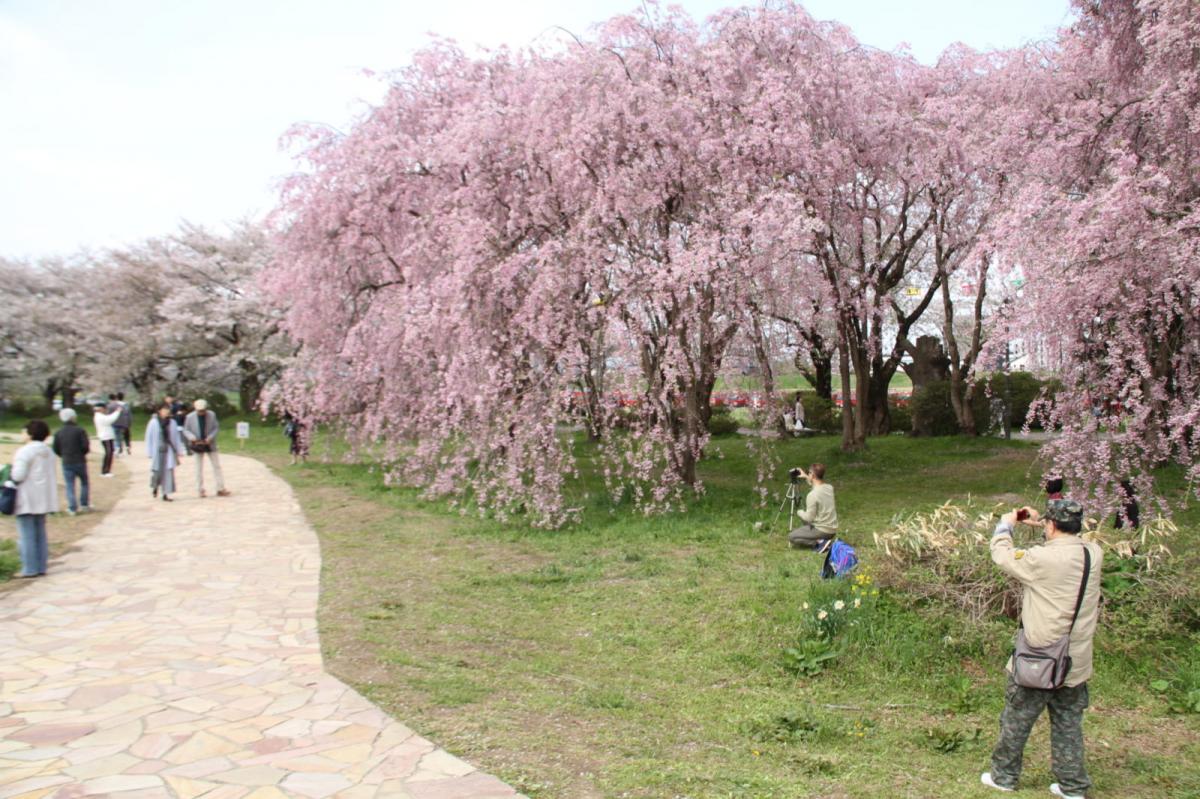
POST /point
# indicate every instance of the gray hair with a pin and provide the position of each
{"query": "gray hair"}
(67, 415)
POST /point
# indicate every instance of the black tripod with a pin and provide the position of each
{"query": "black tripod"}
(793, 494)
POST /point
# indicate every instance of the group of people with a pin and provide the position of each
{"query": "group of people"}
(168, 441)
(1060, 600)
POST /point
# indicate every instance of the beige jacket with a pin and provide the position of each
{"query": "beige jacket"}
(1050, 574)
(819, 510)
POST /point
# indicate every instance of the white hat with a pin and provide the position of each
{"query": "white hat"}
(201, 405)
(67, 415)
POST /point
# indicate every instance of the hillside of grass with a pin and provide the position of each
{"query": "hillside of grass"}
(634, 656)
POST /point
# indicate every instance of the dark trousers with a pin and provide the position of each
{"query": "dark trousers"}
(1022, 707)
(122, 438)
(106, 464)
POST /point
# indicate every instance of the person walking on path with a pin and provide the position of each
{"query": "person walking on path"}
(123, 423)
(37, 495)
(819, 514)
(1056, 602)
(164, 447)
(179, 415)
(200, 429)
(107, 435)
(71, 445)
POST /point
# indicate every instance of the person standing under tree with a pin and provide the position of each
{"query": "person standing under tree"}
(164, 447)
(819, 514)
(295, 433)
(1129, 512)
(107, 435)
(200, 429)
(1056, 602)
(123, 423)
(71, 445)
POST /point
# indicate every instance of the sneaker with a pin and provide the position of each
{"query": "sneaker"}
(223, 493)
(71, 513)
(1057, 791)
(823, 545)
(202, 494)
(986, 779)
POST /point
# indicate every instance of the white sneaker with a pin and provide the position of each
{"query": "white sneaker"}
(70, 513)
(986, 779)
(1057, 791)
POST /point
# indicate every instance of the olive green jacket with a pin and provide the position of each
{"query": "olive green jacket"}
(819, 510)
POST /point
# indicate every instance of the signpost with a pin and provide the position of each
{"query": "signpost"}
(243, 432)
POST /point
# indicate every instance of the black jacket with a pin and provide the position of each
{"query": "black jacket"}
(71, 444)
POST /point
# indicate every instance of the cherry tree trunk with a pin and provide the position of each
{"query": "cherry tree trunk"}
(593, 385)
(960, 400)
(929, 365)
(250, 385)
(852, 436)
(774, 411)
(877, 416)
(50, 391)
(818, 371)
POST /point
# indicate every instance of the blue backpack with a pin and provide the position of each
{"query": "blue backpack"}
(840, 560)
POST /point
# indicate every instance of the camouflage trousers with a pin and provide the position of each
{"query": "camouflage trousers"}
(1022, 707)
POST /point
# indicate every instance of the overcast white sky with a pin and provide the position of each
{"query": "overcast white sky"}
(120, 118)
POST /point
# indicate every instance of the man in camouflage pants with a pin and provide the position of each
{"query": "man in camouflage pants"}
(1050, 575)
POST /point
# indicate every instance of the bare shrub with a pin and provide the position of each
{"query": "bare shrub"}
(942, 556)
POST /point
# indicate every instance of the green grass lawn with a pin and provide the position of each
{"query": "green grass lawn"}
(794, 381)
(635, 656)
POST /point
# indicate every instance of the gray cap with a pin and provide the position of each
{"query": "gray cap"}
(1064, 511)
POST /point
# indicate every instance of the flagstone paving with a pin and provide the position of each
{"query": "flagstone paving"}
(175, 654)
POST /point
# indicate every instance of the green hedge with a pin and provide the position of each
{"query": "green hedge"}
(819, 413)
(932, 402)
(721, 422)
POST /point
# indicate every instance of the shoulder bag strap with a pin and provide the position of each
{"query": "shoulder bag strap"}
(1087, 569)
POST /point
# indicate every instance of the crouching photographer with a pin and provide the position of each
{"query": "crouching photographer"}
(820, 512)
(1052, 660)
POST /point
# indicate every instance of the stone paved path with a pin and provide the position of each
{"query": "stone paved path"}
(175, 655)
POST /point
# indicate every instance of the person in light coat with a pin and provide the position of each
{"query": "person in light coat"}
(164, 447)
(37, 495)
(1053, 592)
(107, 434)
(200, 429)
